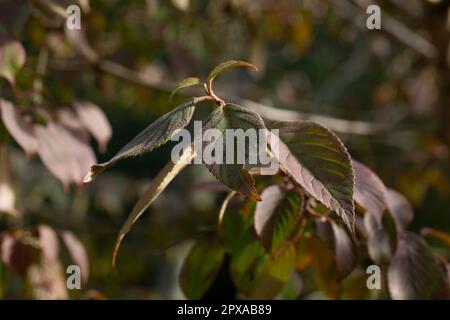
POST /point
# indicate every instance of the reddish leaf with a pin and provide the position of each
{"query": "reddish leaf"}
(344, 250)
(77, 252)
(94, 119)
(16, 254)
(414, 272)
(370, 191)
(400, 209)
(67, 157)
(20, 127)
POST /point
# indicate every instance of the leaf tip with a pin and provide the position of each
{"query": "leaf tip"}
(93, 172)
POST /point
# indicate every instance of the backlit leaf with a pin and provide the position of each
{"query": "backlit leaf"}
(12, 57)
(188, 82)
(228, 65)
(7, 192)
(201, 267)
(234, 175)
(370, 191)
(277, 216)
(317, 160)
(414, 272)
(155, 135)
(158, 184)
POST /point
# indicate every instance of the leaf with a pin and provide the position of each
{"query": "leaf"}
(440, 235)
(228, 65)
(19, 126)
(317, 160)
(155, 135)
(234, 175)
(163, 178)
(414, 273)
(7, 193)
(400, 208)
(17, 254)
(381, 238)
(200, 268)
(64, 155)
(12, 57)
(95, 121)
(344, 250)
(276, 216)
(370, 191)
(321, 257)
(188, 82)
(77, 253)
(48, 241)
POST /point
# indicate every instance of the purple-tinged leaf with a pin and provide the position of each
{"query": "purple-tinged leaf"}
(414, 272)
(19, 126)
(400, 209)
(16, 254)
(94, 119)
(317, 160)
(66, 156)
(344, 250)
(77, 253)
(370, 191)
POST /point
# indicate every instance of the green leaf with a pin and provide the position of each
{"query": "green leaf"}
(155, 135)
(276, 216)
(228, 65)
(12, 57)
(188, 82)
(158, 184)
(317, 160)
(234, 175)
(414, 272)
(201, 267)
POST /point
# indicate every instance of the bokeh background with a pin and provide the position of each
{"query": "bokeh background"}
(385, 92)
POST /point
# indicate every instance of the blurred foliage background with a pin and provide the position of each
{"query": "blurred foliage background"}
(385, 92)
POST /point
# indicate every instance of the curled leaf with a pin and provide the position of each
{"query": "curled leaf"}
(228, 65)
(188, 82)
(161, 181)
